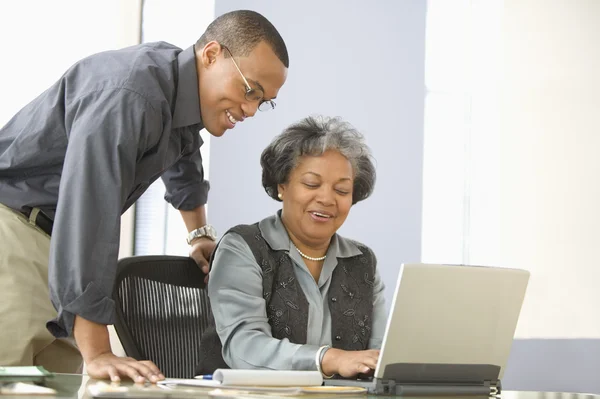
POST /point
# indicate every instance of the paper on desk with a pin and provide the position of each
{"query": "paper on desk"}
(23, 374)
(23, 371)
(190, 382)
(268, 378)
(253, 378)
(258, 393)
(21, 388)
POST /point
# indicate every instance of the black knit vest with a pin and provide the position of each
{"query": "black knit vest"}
(350, 300)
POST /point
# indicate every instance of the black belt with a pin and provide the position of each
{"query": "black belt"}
(41, 220)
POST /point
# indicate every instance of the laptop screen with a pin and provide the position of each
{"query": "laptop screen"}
(453, 314)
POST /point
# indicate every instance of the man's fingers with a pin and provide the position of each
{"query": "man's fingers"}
(115, 367)
(202, 263)
(201, 252)
(199, 259)
(129, 371)
(144, 371)
(154, 372)
(150, 364)
(113, 374)
(208, 246)
(205, 270)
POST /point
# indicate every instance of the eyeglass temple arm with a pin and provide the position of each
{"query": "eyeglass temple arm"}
(238, 68)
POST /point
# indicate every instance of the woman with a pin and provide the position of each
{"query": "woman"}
(288, 292)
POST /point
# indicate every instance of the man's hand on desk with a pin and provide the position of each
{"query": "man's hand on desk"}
(110, 366)
(200, 251)
(94, 344)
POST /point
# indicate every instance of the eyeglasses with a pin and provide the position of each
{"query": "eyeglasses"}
(251, 93)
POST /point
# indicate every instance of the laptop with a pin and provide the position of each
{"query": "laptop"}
(449, 331)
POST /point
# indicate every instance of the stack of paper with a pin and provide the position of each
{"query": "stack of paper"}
(266, 381)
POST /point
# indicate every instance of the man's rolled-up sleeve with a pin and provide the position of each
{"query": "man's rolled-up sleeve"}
(107, 132)
(186, 187)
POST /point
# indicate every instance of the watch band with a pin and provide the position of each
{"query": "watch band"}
(204, 231)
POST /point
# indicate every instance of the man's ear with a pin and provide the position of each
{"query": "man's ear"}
(209, 54)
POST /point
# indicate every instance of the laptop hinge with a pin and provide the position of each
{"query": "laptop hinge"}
(431, 378)
(392, 387)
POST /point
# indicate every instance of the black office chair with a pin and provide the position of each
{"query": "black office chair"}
(162, 309)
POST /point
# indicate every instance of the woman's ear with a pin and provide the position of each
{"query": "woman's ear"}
(280, 191)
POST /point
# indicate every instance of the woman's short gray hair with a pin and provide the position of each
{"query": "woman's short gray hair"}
(313, 136)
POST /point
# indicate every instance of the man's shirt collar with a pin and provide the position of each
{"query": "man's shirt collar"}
(187, 102)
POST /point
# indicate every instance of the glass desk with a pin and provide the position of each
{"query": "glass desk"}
(74, 386)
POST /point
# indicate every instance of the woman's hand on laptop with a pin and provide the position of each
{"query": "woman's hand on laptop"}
(349, 363)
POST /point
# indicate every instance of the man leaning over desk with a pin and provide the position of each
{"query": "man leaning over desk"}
(81, 153)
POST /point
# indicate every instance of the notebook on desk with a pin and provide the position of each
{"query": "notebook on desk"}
(449, 331)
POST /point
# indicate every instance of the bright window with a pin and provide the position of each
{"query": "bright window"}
(462, 69)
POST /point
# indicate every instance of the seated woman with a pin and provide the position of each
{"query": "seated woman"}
(288, 292)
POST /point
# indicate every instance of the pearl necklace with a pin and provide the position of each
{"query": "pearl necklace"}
(309, 257)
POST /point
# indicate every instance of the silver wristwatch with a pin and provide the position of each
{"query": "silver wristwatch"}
(204, 231)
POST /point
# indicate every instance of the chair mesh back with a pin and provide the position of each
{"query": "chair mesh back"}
(162, 310)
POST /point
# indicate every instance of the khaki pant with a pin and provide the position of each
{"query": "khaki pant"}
(25, 305)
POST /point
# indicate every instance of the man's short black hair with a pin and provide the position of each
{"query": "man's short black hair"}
(241, 31)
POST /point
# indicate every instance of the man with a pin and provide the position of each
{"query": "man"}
(75, 158)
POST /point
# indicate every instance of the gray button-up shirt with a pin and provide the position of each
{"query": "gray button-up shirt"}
(236, 298)
(88, 147)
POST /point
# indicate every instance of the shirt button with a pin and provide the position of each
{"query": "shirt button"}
(338, 338)
(333, 299)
